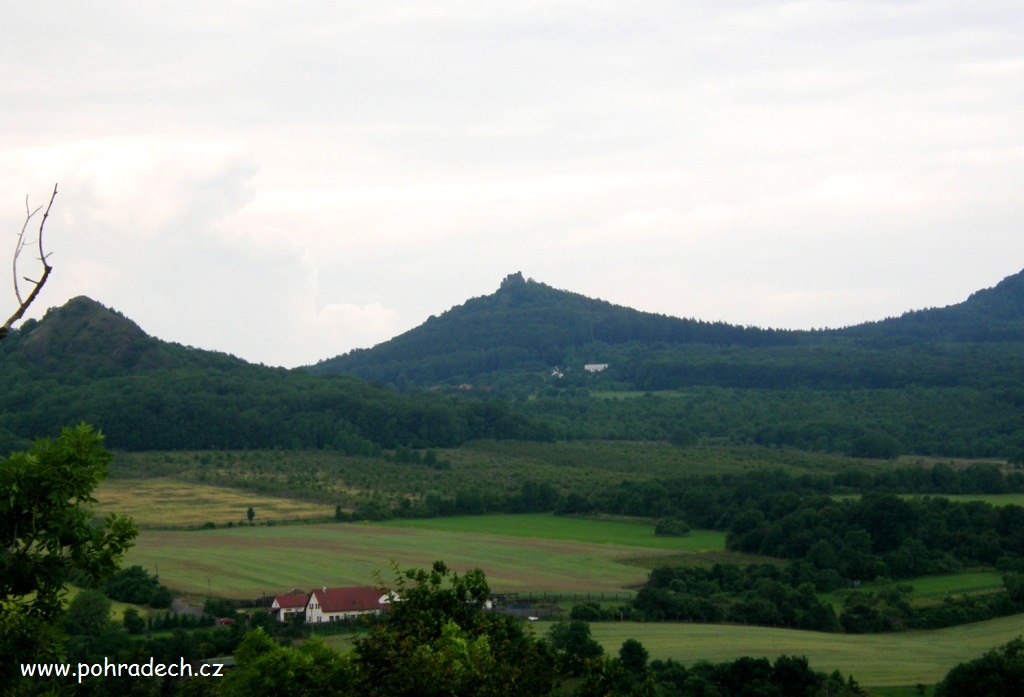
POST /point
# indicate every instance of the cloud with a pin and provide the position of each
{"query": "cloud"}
(283, 184)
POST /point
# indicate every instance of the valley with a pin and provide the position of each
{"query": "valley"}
(850, 495)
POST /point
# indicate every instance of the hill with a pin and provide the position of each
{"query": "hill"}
(84, 361)
(527, 329)
(102, 342)
(943, 382)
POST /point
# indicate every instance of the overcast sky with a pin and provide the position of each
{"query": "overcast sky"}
(288, 181)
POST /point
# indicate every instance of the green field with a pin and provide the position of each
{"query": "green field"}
(906, 658)
(929, 589)
(247, 561)
(541, 552)
(991, 499)
(547, 526)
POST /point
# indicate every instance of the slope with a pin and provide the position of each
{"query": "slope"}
(527, 328)
(84, 361)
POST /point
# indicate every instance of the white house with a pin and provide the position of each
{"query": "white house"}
(595, 367)
(332, 604)
(287, 605)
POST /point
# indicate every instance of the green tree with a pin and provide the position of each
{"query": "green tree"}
(48, 533)
(250, 514)
(92, 633)
(999, 673)
(133, 621)
(573, 646)
(133, 585)
(633, 656)
(439, 639)
(268, 669)
(1014, 585)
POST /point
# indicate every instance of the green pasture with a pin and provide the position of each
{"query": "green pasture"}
(928, 589)
(552, 527)
(991, 499)
(900, 659)
(250, 561)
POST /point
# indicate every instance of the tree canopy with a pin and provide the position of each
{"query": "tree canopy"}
(48, 533)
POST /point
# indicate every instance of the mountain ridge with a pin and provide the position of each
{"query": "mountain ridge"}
(941, 381)
(529, 326)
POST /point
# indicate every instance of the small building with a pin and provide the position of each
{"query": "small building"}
(595, 367)
(287, 605)
(334, 604)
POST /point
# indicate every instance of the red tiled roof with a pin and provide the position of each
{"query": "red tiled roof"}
(359, 599)
(291, 600)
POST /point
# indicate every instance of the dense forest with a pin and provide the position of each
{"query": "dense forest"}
(942, 382)
(528, 328)
(86, 362)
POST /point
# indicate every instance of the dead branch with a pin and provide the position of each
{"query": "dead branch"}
(37, 285)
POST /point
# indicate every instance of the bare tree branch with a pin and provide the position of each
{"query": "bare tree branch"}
(23, 304)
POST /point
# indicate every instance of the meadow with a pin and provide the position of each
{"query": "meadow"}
(539, 553)
(632, 533)
(518, 554)
(165, 502)
(906, 658)
(929, 590)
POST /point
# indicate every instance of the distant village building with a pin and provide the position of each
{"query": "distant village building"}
(333, 604)
(287, 605)
(595, 367)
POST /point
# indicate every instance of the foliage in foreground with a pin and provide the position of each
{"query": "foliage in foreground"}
(47, 533)
(788, 676)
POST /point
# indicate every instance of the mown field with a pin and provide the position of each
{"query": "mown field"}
(165, 502)
(587, 530)
(929, 590)
(906, 658)
(245, 561)
(519, 553)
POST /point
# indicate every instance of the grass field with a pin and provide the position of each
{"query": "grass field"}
(929, 589)
(171, 502)
(547, 526)
(992, 499)
(539, 552)
(906, 658)
(247, 561)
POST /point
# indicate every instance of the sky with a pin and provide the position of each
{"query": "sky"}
(285, 182)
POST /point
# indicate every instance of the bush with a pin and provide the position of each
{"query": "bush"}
(136, 586)
(671, 527)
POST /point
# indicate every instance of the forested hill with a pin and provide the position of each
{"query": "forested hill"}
(528, 328)
(990, 315)
(84, 361)
(84, 339)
